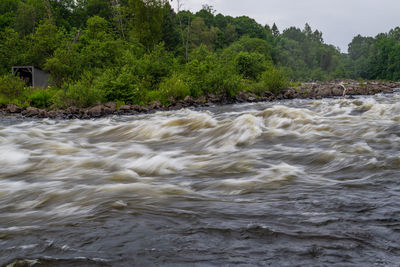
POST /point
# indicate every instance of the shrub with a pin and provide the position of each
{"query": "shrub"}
(155, 95)
(118, 84)
(41, 98)
(211, 76)
(250, 65)
(153, 67)
(274, 79)
(174, 87)
(82, 93)
(11, 86)
(223, 80)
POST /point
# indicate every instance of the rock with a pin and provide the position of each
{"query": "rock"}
(213, 98)
(290, 94)
(124, 108)
(96, 111)
(31, 112)
(242, 96)
(268, 94)
(54, 114)
(322, 92)
(337, 91)
(42, 114)
(139, 108)
(111, 105)
(108, 111)
(12, 108)
(189, 100)
(155, 105)
(73, 110)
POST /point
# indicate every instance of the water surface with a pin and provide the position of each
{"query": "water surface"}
(300, 182)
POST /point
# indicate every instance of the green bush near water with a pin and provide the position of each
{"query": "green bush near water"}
(175, 87)
(11, 87)
(274, 79)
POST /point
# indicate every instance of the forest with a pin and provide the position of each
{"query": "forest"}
(140, 51)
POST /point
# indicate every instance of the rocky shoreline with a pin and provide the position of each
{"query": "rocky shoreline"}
(316, 90)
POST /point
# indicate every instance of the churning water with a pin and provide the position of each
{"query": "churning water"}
(301, 182)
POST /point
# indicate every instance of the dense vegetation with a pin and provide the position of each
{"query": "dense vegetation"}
(138, 51)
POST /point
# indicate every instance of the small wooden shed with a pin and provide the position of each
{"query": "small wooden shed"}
(33, 76)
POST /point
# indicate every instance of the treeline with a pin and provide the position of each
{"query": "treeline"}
(138, 51)
(375, 58)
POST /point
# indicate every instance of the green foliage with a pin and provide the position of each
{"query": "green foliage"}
(11, 87)
(43, 43)
(153, 67)
(248, 26)
(82, 93)
(137, 51)
(7, 12)
(10, 50)
(118, 84)
(274, 79)
(250, 65)
(175, 87)
(41, 98)
(147, 21)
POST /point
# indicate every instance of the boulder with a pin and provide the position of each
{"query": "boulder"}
(124, 108)
(189, 100)
(337, 91)
(43, 114)
(73, 110)
(53, 114)
(111, 105)
(96, 111)
(31, 112)
(290, 94)
(139, 108)
(155, 105)
(323, 91)
(12, 108)
(242, 96)
(108, 111)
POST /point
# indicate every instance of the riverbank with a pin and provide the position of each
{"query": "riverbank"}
(315, 90)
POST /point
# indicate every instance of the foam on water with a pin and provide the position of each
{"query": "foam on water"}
(236, 160)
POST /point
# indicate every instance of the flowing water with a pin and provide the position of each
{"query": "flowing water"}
(300, 182)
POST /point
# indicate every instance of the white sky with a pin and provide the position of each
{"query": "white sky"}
(339, 20)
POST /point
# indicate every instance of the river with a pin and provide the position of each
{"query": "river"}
(290, 183)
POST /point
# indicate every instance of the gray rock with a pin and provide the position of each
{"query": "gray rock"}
(12, 108)
(96, 111)
(31, 112)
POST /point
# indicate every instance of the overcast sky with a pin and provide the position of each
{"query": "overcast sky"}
(339, 20)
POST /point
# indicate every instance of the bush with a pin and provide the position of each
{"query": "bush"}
(174, 87)
(274, 79)
(82, 93)
(210, 76)
(11, 87)
(118, 84)
(155, 95)
(41, 98)
(153, 67)
(250, 65)
(223, 80)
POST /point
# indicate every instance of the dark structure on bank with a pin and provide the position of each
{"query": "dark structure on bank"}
(32, 76)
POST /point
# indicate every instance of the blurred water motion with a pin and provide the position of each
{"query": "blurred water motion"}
(285, 183)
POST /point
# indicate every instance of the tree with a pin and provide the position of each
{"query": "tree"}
(147, 21)
(8, 9)
(170, 29)
(275, 30)
(27, 16)
(248, 26)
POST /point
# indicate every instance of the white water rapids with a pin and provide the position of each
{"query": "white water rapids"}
(227, 185)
